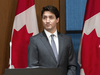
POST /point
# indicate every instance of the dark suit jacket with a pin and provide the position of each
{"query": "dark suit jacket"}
(40, 54)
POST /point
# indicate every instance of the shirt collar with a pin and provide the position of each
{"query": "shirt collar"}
(49, 34)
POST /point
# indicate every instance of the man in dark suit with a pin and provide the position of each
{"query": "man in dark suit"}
(51, 49)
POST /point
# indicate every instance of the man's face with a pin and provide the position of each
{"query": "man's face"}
(49, 21)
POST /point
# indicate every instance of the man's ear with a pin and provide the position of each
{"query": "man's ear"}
(57, 20)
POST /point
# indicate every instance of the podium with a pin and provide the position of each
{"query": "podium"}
(33, 71)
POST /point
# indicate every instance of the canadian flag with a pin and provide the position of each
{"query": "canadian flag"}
(25, 26)
(89, 50)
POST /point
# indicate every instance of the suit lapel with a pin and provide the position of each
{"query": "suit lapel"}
(47, 44)
(61, 43)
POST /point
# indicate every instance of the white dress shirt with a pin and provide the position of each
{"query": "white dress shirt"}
(48, 34)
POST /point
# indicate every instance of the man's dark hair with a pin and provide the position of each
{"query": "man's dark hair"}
(52, 9)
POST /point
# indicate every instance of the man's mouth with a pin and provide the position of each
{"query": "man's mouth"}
(47, 24)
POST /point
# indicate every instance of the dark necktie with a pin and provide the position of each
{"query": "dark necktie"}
(53, 45)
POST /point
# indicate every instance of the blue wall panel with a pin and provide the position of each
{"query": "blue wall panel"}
(75, 10)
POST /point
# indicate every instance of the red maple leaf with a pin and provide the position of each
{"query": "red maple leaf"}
(90, 54)
(20, 41)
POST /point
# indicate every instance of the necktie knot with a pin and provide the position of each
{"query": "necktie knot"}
(52, 35)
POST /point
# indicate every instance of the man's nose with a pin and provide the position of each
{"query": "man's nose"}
(48, 20)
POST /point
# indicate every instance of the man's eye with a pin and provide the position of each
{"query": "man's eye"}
(44, 17)
(51, 17)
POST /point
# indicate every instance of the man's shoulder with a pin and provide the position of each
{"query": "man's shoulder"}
(64, 35)
(35, 36)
